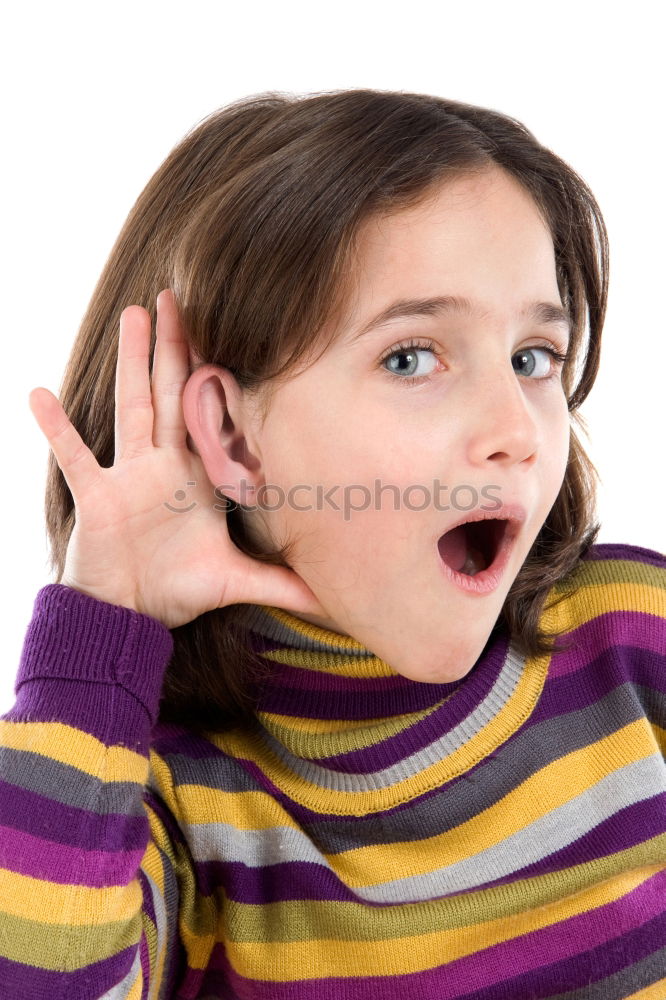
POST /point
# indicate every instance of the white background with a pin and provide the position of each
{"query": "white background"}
(95, 96)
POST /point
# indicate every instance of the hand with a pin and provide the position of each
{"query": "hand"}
(127, 547)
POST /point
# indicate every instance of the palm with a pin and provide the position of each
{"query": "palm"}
(137, 541)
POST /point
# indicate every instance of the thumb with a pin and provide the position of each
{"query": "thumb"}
(280, 587)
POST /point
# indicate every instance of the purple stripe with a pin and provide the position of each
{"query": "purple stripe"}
(568, 690)
(624, 958)
(18, 980)
(170, 738)
(595, 638)
(39, 858)
(148, 903)
(65, 824)
(632, 553)
(173, 831)
(562, 941)
(68, 840)
(286, 880)
(327, 696)
(540, 963)
(144, 958)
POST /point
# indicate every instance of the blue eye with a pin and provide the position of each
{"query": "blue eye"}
(407, 358)
(551, 369)
(409, 352)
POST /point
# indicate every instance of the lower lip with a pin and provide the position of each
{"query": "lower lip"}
(488, 579)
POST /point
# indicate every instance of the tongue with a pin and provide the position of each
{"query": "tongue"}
(456, 553)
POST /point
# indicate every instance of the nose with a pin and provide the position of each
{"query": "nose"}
(501, 424)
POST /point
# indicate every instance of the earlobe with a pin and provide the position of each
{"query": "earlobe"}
(214, 414)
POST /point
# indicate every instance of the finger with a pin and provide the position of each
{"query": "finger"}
(171, 370)
(77, 463)
(134, 402)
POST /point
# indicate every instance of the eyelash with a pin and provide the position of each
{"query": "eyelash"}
(405, 348)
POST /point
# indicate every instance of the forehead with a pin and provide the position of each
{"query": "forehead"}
(487, 204)
(481, 235)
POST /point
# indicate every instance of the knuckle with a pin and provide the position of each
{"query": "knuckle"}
(170, 388)
(78, 455)
(139, 402)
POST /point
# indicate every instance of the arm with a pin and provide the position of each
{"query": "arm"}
(88, 863)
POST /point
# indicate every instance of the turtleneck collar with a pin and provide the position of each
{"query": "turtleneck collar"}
(337, 716)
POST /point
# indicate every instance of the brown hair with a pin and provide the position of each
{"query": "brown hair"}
(253, 220)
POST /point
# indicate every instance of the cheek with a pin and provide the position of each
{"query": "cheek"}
(336, 547)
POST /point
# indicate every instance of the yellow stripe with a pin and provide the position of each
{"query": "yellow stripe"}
(24, 896)
(320, 958)
(68, 745)
(544, 792)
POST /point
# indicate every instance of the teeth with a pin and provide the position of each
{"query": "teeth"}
(474, 562)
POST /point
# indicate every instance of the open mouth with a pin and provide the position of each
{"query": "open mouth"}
(473, 546)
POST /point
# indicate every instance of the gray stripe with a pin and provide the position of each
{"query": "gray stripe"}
(68, 785)
(254, 848)
(531, 749)
(217, 770)
(485, 711)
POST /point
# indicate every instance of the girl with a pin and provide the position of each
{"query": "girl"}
(336, 695)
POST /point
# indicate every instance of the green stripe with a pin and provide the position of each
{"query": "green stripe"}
(303, 920)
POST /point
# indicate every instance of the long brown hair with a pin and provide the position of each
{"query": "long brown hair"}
(253, 220)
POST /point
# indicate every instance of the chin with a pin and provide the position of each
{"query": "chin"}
(443, 672)
(453, 664)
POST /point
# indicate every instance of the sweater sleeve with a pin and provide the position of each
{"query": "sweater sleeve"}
(89, 859)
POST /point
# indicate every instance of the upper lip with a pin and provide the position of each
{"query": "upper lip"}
(514, 513)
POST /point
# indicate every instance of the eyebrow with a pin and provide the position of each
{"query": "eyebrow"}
(543, 313)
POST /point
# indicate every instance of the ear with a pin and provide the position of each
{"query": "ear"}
(218, 420)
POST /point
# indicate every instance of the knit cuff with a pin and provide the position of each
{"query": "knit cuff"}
(75, 637)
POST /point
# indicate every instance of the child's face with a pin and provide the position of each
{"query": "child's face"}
(477, 423)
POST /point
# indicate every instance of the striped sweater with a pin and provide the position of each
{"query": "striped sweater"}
(496, 838)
